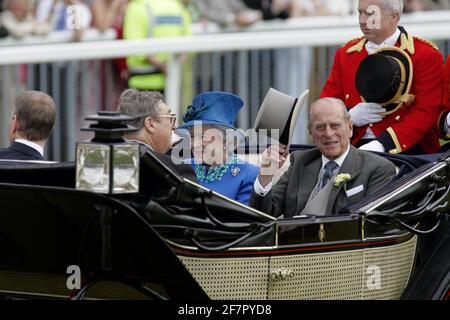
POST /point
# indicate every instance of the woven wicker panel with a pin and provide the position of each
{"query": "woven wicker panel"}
(120, 291)
(318, 276)
(48, 285)
(395, 264)
(34, 283)
(339, 275)
(343, 275)
(233, 278)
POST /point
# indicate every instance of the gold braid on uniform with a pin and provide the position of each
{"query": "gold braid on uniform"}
(428, 42)
(407, 43)
(360, 42)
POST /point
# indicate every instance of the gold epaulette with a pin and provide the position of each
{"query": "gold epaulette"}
(428, 42)
(407, 43)
(359, 44)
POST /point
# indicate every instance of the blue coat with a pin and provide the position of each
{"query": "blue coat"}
(237, 187)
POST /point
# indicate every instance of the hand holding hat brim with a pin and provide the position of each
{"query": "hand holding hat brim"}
(279, 111)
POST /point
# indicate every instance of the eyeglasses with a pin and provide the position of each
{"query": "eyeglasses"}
(171, 116)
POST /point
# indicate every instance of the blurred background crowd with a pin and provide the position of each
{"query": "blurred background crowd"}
(87, 86)
(20, 18)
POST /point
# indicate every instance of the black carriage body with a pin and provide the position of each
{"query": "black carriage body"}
(178, 240)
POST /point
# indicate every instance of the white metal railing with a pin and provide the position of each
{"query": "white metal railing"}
(299, 23)
(327, 34)
(292, 33)
(327, 31)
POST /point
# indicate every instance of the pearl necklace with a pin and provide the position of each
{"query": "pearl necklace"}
(214, 173)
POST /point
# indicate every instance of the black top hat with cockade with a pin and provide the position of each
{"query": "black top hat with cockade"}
(385, 77)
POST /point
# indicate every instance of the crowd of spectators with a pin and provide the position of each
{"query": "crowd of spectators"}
(20, 18)
(39, 18)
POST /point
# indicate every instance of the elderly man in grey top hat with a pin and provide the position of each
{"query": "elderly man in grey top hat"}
(323, 180)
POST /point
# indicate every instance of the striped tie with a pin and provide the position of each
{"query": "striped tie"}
(328, 173)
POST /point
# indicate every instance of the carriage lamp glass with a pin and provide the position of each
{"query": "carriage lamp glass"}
(107, 168)
(125, 168)
(92, 167)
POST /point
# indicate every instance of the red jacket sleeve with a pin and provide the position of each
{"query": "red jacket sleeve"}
(333, 86)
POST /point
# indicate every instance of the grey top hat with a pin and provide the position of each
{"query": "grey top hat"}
(280, 111)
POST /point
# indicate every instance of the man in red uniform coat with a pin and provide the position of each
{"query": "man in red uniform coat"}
(444, 119)
(410, 129)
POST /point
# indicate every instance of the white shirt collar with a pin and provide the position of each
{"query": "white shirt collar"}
(371, 47)
(339, 160)
(33, 145)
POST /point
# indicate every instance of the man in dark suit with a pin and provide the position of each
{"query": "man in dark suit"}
(155, 123)
(31, 124)
(324, 180)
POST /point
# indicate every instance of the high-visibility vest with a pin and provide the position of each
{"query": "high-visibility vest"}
(152, 19)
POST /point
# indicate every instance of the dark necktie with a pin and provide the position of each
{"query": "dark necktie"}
(328, 173)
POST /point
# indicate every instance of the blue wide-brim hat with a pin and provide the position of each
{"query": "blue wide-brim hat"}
(213, 108)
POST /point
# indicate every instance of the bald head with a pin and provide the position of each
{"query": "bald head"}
(330, 127)
(328, 103)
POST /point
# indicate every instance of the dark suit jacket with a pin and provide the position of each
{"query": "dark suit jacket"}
(290, 195)
(183, 170)
(20, 151)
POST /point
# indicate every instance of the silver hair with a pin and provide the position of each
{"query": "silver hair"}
(139, 105)
(331, 102)
(394, 5)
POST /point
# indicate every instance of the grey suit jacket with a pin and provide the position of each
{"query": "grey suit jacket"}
(290, 195)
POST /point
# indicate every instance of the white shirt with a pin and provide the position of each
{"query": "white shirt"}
(33, 145)
(259, 189)
(390, 41)
(339, 160)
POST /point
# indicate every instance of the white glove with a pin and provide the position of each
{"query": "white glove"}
(447, 122)
(366, 112)
(373, 146)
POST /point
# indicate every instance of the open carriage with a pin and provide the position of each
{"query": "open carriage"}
(181, 241)
(120, 223)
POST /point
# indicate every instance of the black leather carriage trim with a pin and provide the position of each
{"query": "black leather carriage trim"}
(295, 249)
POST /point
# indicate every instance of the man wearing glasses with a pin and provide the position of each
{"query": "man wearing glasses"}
(152, 118)
(155, 123)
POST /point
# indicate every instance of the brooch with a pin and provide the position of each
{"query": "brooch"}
(235, 171)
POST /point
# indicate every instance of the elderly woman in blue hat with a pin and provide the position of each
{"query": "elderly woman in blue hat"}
(210, 121)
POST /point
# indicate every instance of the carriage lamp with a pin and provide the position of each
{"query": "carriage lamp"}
(108, 164)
